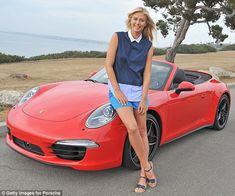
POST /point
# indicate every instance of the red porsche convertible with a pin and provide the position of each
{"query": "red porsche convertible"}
(72, 123)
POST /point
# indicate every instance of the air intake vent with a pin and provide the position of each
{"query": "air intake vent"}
(27, 146)
(69, 152)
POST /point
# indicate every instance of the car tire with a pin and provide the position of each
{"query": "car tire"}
(222, 113)
(130, 160)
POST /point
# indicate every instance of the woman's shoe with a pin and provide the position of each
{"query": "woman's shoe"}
(140, 188)
(152, 182)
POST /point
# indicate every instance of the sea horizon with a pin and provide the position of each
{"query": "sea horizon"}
(29, 44)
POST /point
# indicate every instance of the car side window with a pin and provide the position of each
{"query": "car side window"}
(178, 78)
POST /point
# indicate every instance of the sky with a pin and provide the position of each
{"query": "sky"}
(85, 19)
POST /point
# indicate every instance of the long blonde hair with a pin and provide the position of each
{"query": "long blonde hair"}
(150, 25)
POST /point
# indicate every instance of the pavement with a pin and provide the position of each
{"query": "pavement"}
(231, 85)
(3, 129)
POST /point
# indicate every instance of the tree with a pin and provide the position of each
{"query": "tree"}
(178, 15)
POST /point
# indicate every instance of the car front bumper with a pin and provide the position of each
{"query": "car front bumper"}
(27, 134)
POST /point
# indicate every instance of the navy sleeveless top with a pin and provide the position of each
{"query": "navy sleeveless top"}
(130, 59)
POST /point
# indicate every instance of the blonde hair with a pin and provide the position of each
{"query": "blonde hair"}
(150, 25)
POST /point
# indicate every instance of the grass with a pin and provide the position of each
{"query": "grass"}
(46, 71)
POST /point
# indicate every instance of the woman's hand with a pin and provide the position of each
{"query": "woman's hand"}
(121, 97)
(142, 107)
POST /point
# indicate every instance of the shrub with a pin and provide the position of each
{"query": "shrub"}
(195, 48)
(71, 54)
(159, 51)
(5, 58)
(229, 47)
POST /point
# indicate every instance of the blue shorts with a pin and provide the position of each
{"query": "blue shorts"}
(116, 104)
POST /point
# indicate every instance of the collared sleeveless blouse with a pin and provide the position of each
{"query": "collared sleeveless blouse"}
(129, 65)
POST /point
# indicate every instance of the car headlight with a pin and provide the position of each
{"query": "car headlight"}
(28, 95)
(101, 116)
(78, 143)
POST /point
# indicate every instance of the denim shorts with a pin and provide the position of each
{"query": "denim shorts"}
(116, 104)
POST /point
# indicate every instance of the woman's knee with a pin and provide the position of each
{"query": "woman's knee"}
(132, 128)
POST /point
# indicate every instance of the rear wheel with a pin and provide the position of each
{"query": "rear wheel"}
(130, 159)
(222, 113)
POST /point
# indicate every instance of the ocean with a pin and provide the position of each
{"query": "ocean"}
(28, 45)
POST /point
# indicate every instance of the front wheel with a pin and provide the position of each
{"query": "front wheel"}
(130, 159)
(222, 113)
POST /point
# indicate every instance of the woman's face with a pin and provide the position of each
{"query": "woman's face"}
(138, 22)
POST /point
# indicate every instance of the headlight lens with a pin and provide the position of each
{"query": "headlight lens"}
(28, 95)
(101, 116)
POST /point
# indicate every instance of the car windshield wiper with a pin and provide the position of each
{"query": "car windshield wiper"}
(89, 79)
(95, 81)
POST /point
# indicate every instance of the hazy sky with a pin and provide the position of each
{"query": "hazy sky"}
(88, 19)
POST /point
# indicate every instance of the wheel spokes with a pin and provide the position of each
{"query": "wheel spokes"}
(152, 140)
(223, 113)
(149, 129)
(223, 106)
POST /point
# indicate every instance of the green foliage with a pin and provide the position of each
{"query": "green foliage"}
(216, 32)
(159, 51)
(67, 54)
(195, 49)
(163, 27)
(230, 22)
(5, 58)
(194, 11)
(229, 47)
(70, 54)
(187, 49)
(212, 16)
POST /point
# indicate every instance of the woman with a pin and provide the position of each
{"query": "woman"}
(128, 65)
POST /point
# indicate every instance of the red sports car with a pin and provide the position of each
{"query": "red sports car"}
(72, 123)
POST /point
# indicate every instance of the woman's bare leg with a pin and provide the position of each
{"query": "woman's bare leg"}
(141, 122)
(126, 114)
(128, 118)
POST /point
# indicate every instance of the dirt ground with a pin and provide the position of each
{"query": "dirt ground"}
(46, 71)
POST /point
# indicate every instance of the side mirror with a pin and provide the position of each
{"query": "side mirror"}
(184, 86)
(92, 74)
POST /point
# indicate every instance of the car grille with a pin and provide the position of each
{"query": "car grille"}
(27, 146)
(69, 152)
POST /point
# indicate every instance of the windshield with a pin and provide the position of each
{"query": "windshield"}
(159, 76)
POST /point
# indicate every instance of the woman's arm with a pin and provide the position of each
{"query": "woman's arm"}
(110, 58)
(147, 77)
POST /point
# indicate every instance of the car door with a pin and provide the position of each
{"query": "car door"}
(186, 111)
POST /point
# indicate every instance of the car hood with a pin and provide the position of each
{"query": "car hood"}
(67, 100)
